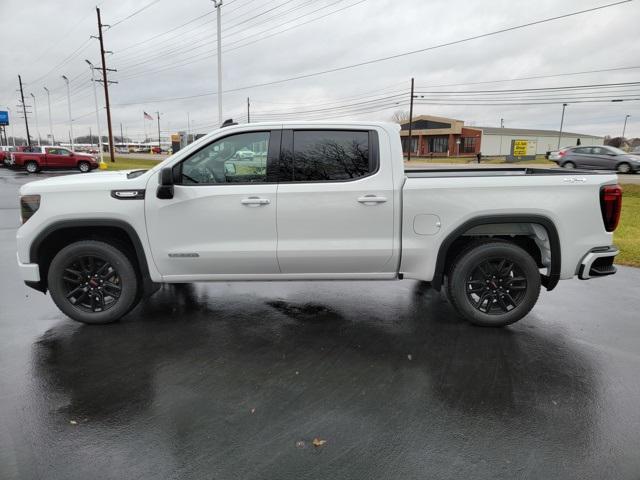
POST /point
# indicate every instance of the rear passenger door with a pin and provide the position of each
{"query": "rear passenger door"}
(602, 158)
(335, 203)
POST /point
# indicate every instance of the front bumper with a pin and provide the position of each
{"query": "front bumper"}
(598, 263)
(30, 272)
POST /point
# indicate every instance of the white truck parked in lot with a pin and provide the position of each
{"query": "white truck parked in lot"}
(317, 201)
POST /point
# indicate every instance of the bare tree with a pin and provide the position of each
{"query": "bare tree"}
(400, 116)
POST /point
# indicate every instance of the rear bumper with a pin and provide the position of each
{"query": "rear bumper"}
(598, 263)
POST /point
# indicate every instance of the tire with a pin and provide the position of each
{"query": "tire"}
(93, 266)
(84, 167)
(569, 165)
(493, 284)
(624, 168)
(31, 166)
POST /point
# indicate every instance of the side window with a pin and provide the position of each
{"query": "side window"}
(598, 151)
(329, 155)
(63, 151)
(239, 158)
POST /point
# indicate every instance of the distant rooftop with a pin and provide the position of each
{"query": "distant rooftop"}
(529, 131)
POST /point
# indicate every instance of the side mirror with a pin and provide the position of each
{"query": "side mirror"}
(165, 187)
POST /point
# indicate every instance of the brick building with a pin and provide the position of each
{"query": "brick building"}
(440, 136)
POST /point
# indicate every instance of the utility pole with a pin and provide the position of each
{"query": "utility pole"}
(90, 136)
(564, 105)
(159, 145)
(95, 100)
(35, 111)
(624, 129)
(248, 111)
(24, 110)
(410, 123)
(121, 136)
(502, 123)
(106, 85)
(50, 124)
(218, 5)
(69, 106)
(188, 129)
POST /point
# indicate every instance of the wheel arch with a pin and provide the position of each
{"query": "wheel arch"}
(447, 247)
(59, 234)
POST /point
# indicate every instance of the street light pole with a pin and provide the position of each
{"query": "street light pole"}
(50, 124)
(218, 5)
(35, 111)
(564, 105)
(624, 129)
(95, 99)
(66, 80)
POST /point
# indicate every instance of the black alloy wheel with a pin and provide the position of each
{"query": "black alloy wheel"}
(496, 286)
(493, 283)
(93, 281)
(92, 284)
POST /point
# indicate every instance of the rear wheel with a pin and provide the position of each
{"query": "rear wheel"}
(31, 166)
(494, 283)
(569, 165)
(624, 168)
(84, 167)
(93, 282)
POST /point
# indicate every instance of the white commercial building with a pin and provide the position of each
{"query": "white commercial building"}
(498, 141)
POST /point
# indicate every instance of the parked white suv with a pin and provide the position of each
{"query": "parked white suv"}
(328, 201)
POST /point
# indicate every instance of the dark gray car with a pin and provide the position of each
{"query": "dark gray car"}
(599, 157)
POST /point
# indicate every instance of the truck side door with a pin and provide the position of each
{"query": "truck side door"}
(335, 203)
(222, 217)
(58, 157)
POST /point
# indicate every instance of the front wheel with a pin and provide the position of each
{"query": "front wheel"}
(84, 167)
(494, 283)
(93, 282)
(624, 168)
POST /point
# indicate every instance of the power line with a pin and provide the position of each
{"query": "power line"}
(133, 14)
(184, 61)
(204, 42)
(403, 54)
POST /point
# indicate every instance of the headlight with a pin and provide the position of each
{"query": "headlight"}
(29, 204)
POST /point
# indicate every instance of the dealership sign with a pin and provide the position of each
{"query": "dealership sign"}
(4, 117)
(522, 150)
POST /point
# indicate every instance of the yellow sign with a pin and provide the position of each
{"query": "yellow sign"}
(520, 148)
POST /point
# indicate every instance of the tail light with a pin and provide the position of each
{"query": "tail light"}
(611, 205)
(29, 204)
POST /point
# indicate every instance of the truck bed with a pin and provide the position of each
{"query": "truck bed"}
(494, 172)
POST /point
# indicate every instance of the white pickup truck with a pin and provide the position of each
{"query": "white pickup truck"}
(315, 201)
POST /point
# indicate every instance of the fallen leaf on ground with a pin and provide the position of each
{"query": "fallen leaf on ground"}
(300, 444)
(73, 422)
(253, 410)
(317, 442)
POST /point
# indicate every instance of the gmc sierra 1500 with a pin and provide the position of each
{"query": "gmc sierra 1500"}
(314, 201)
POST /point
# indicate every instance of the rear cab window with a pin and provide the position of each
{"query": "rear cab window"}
(328, 155)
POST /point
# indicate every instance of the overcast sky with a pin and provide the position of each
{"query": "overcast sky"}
(44, 40)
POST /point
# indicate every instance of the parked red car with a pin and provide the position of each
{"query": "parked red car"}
(52, 157)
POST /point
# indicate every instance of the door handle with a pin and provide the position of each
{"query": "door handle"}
(372, 199)
(255, 201)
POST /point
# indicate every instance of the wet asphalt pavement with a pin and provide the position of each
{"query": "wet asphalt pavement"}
(235, 381)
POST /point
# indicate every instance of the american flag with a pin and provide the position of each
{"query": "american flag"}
(147, 116)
